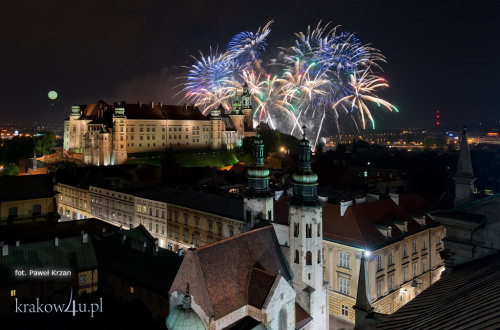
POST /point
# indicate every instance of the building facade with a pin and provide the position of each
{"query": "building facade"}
(105, 134)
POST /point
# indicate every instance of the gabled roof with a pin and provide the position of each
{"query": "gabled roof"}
(234, 272)
(466, 298)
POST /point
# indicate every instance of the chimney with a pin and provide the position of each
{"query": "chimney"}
(372, 197)
(384, 230)
(323, 198)
(140, 104)
(343, 207)
(402, 225)
(361, 200)
(5, 250)
(394, 197)
(85, 238)
(18, 243)
(161, 104)
(277, 194)
(152, 104)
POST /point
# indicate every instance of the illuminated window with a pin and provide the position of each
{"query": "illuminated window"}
(344, 285)
(131, 289)
(12, 293)
(344, 260)
(345, 310)
(379, 262)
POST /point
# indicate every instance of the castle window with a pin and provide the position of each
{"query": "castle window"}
(296, 260)
(308, 258)
(319, 229)
(296, 230)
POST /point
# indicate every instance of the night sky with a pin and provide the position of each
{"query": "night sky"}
(441, 55)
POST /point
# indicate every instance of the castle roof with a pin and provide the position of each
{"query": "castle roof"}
(146, 111)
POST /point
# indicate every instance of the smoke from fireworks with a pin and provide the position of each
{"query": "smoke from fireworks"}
(323, 75)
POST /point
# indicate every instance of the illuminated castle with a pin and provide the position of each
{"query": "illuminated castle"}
(105, 134)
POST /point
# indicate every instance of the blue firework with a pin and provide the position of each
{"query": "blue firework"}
(246, 47)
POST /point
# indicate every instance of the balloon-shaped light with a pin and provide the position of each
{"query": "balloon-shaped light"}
(52, 95)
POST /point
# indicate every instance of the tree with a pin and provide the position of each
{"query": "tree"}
(63, 165)
(11, 169)
(44, 144)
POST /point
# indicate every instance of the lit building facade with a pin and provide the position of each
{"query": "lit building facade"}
(105, 134)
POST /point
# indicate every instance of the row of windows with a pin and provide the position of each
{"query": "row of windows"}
(308, 257)
(296, 230)
(36, 210)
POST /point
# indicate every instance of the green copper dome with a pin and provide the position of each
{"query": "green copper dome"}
(184, 317)
(258, 174)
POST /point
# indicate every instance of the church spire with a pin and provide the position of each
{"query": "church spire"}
(305, 186)
(258, 175)
(464, 179)
(464, 168)
(363, 301)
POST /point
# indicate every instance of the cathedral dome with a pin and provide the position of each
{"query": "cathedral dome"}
(183, 317)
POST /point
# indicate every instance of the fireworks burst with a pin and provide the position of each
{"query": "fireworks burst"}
(322, 76)
(364, 89)
(246, 47)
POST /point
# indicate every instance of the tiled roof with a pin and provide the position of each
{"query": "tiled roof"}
(301, 317)
(466, 298)
(358, 226)
(220, 274)
(259, 286)
(225, 206)
(142, 111)
(13, 188)
(70, 254)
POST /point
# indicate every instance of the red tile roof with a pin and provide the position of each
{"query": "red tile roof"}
(223, 276)
(259, 287)
(301, 317)
(358, 225)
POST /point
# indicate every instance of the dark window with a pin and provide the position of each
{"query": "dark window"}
(296, 260)
(12, 212)
(37, 209)
(308, 258)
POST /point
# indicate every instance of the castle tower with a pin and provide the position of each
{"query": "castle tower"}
(246, 106)
(237, 117)
(119, 151)
(464, 178)
(306, 235)
(259, 199)
(72, 130)
(215, 128)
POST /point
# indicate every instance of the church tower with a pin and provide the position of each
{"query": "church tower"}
(464, 179)
(246, 107)
(119, 147)
(306, 235)
(215, 128)
(259, 199)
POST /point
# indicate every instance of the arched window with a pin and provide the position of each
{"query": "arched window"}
(308, 231)
(309, 258)
(296, 229)
(296, 260)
